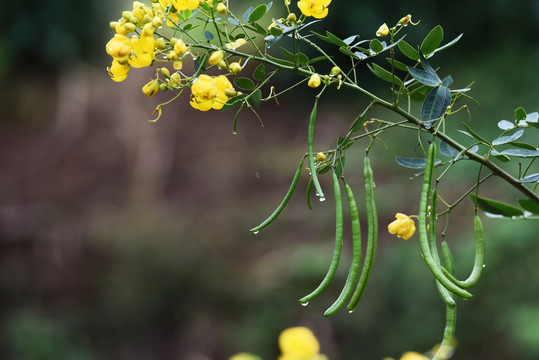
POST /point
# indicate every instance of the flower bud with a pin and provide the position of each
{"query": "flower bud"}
(405, 20)
(216, 57)
(221, 8)
(222, 65)
(175, 79)
(230, 92)
(150, 88)
(160, 43)
(335, 70)
(403, 227)
(146, 19)
(383, 30)
(164, 71)
(130, 27)
(163, 87)
(180, 48)
(172, 56)
(314, 81)
(157, 22)
(320, 156)
(291, 17)
(113, 25)
(235, 68)
(127, 15)
(173, 41)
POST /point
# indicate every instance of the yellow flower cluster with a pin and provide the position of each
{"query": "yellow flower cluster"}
(315, 8)
(139, 51)
(210, 92)
(403, 227)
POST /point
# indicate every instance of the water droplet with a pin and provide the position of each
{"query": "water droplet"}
(322, 199)
(305, 303)
(256, 232)
(317, 194)
(373, 184)
(484, 265)
(234, 133)
(350, 311)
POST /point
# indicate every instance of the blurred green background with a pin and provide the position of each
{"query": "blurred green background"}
(122, 239)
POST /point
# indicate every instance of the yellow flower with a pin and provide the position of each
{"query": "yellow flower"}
(314, 81)
(209, 92)
(185, 4)
(315, 8)
(160, 8)
(236, 44)
(244, 356)
(221, 8)
(216, 57)
(143, 54)
(119, 46)
(151, 88)
(403, 227)
(299, 343)
(117, 71)
(383, 30)
(180, 48)
(412, 355)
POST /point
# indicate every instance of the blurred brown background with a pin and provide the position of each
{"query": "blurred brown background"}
(124, 239)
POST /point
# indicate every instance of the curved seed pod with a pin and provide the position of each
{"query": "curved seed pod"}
(372, 236)
(285, 200)
(422, 228)
(446, 296)
(310, 140)
(338, 243)
(356, 254)
(479, 258)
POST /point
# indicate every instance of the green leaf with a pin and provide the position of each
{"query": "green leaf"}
(521, 153)
(523, 145)
(500, 156)
(424, 77)
(520, 114)
(259, 73)
(414, 163)
(474, 134)
(397, 64)
(376, 46)
(448, 150)
(290, 56)
(449, 44)
(408, 51)
(255, 98)
(530, 178)
(208, 35)
(233, 21)
(244, 83)
(435, 105)
(496, 207)
(432, 40)
(247, 14)
(301, 58)
(384, 74)
(276, 31)
(529, 205)
(280, 61)
(447, 81)
(509, 138)
(506, 125)
(258, 13)
(233, 102)
(330, 38)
